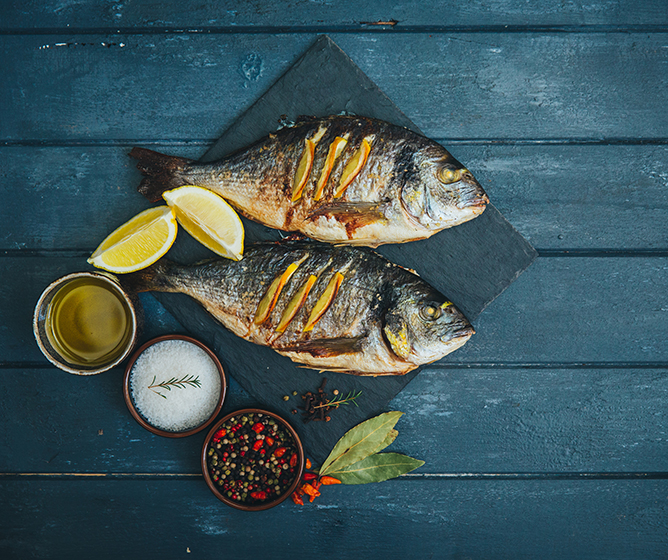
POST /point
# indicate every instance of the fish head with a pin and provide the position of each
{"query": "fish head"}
(423, 326)
(439, 192)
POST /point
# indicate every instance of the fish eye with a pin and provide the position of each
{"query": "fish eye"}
(447, 175)
(430, 311)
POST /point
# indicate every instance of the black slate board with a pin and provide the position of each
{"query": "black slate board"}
(472, 263)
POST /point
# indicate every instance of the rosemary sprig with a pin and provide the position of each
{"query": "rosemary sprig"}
(185, 381)
(339, 399)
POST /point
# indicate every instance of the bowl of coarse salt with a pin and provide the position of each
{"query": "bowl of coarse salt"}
(174, 386)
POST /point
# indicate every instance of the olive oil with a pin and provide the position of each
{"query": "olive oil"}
(88, 322)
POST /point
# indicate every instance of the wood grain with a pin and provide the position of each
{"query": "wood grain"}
(454, 86)
(558, 197)
(516, 420)
(560, 310)
(514, 520)
(345, 13)
(544, 437)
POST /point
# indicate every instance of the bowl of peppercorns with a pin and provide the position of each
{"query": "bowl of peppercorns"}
(252, 459)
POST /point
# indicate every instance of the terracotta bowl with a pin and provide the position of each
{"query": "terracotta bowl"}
(137, 415)
(265, 505)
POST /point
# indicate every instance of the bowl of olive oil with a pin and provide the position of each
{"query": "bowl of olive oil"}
(85, 323)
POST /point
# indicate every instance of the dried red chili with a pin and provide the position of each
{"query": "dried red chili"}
(310, 490)
(327, 480)
(297, 499)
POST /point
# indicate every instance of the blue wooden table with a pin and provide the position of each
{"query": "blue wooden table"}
(546, 436)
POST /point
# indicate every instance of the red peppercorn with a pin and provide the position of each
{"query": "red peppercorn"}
(263, 451)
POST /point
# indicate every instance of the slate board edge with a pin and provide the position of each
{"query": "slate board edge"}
(320, 448)
(531, 255)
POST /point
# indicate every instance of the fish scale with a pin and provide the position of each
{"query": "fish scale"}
(407, 188)
(383, 320)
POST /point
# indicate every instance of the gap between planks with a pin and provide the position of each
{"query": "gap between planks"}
(410, 476)
(361, 28)
(455, 141)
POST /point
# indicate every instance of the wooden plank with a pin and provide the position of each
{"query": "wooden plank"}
(518, 85)
(554, 421)
(55, 13)
(82, 424)
(558, 197)
(560, 310)
(587, 197)
(518, 520)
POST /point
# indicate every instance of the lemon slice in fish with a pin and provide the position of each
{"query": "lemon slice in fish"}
(138, 243)
(209, 219)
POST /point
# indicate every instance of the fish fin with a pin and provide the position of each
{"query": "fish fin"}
(326, 347)
(155, 278)
(161, 172)
(353, 215)
(357, 214)
(301, 119)
(294, 236)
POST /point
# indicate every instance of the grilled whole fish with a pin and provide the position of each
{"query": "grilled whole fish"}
(340, 179)
(333, 308)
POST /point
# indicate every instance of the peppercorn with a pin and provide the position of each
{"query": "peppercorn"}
(244, 452)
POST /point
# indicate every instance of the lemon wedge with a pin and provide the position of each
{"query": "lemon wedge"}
(209, 219)
(138, 243)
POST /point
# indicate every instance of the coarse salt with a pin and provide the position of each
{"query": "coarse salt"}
(178, 408)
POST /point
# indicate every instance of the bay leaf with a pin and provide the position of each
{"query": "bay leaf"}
(376, 468)
(391, 436)
(361, 441)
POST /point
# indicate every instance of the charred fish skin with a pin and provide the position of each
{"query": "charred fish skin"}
(341, 308)
(340, 179)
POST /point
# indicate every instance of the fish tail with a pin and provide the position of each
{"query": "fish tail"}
(161, 172)
(159, 277)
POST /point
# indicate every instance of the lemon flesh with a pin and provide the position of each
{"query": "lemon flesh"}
(138, 243)
(209, 219)
(335, 150)
(303, 170)
(324, 301)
